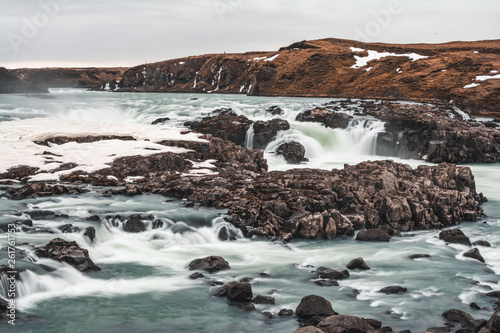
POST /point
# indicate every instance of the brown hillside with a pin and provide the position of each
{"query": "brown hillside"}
(322, 68)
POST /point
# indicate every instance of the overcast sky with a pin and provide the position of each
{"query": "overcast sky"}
(41, 33)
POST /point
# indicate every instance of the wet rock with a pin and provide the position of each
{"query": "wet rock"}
(313, 305)
(493, 294)
(329, 273)
(429, 132)
(160, 120)
(474, 254)
(93, 218)
(265, 131)
(474, 306)
(268, 314)
(286, 312)
(134, 224)
(210, 264)
(327, 283)
(35, 190)
(24, 225)
(343, 323)
(418, 256)
(357, 263)
(308, 329)
(465, 320)
(236, 292)
(68, 229)
(226, 125)
(197, 275)
(374, 323)
(44, 215)
(393, 290)
(455, 236)
(259, 299)
(68, 252)
(494, 323)
(372, 235)
(293, 152)
(247, 307)
(157, 224)
(264, 275)
(482, 243)
(275, 110)
(326, 117)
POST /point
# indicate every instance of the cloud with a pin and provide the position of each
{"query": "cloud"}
(114, 33)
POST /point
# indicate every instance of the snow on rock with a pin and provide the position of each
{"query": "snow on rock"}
(374, 55)
(272, 58)
(487, 77)
(17, 143)
(472, 85)
(356, 49)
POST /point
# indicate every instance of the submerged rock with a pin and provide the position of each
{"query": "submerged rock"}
(329, 273)
(393, 290)
(68, 252)
(210, 264)
(259, 299)
(275, 110)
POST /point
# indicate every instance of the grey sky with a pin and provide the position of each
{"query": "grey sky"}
(40, 33)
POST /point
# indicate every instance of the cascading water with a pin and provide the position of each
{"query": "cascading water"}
(144, 284)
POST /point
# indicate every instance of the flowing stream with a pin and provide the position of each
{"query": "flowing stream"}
(143, 285)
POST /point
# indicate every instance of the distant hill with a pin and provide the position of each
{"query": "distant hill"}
(10, 83)
(44, 78)
(330, 68)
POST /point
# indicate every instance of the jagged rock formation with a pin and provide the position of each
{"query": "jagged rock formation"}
(329, 67)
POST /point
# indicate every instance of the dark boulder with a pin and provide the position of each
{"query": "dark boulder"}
(197, 275)
(357, 263)
(418, 256)
(275, 110)
(455, 236)
(236, 292)
(265, 131)
(134, 224)
(286, 312)
(373, 235)
(393, 290)
(330, 273)
(210, 264)
(68, 252)
(482, 243)
(226, 125)
(326, 117)
(474, 254)
(308, 329)
(465, 320)
(313, 305)
(293, 152)
(259, 299)
(343, 323)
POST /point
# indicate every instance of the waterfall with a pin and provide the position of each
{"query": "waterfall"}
(249, 138)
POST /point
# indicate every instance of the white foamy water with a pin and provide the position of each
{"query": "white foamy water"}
(144, 286)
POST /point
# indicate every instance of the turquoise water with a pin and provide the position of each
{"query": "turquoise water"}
(144, 286)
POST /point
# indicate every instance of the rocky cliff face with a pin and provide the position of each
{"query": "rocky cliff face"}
(466, 72)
